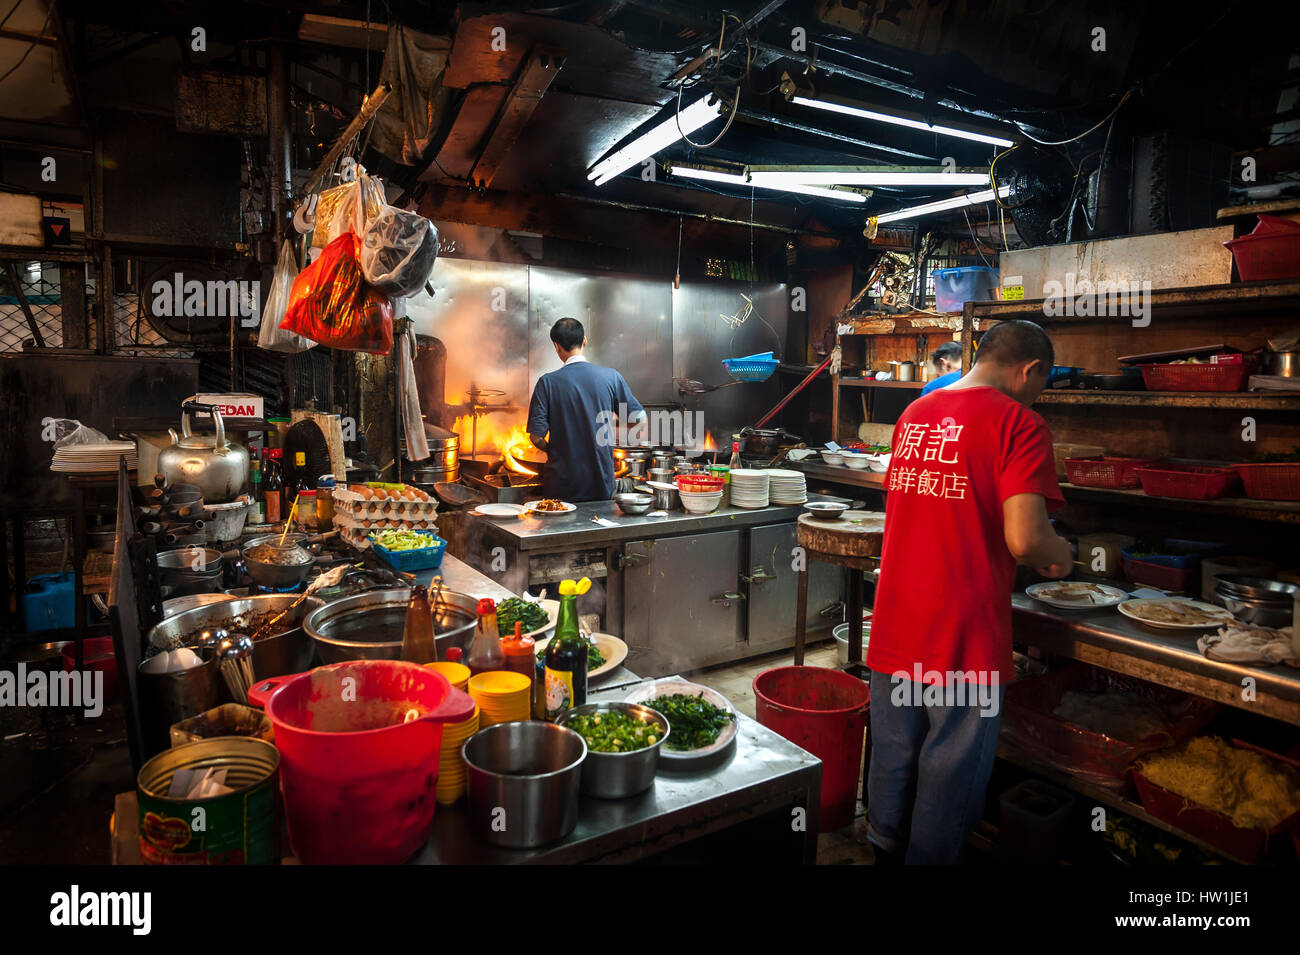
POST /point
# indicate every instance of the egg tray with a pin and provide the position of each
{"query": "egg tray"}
(357, 531)
(386, 509)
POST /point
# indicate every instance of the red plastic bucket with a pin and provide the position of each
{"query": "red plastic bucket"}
(359, 782)
(825, 712)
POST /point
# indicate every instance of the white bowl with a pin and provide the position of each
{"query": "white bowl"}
(833, 457)
(856, 460)
(700, 507)
(879, 462)
(701, 495)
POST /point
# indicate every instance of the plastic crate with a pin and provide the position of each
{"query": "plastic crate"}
(1271, 254)
(953, 288)
(1183, 554)
(426, 558)
(751, 367)
(1271, 482)
(1105, 472)
(1223, 376)
(1029, 724)
(1189, 482)
(1183, 580)
(1207, 825)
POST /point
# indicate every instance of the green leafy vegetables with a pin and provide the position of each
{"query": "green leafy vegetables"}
(695, 722)
(614, 732)
(392, 539)
(531, 614)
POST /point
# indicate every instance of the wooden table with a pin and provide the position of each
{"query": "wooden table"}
(852, 541)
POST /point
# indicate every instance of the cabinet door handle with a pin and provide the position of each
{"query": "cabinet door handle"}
(726, 600)
(758, 576)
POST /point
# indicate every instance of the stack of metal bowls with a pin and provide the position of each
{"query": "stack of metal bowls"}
(189, 570)
(1258, 600)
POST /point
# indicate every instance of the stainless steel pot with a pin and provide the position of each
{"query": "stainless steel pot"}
(1261, 613)
(530, 770)
(619, 775)
(288, 652)
(369, 626)
(666, 498)
(189, 570)
(279, 576)
(217, 467)
(1284, 363)
(906, 371)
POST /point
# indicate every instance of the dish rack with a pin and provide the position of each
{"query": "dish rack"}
(752, 367)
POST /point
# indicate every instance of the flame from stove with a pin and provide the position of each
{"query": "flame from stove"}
(518, 443)
(709, 443)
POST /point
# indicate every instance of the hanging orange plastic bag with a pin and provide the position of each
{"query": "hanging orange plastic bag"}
(331, 303)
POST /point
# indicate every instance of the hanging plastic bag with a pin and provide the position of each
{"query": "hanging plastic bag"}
(398, 250)
(331, 303)
(338, 212)
(69, 431)
(270, 336)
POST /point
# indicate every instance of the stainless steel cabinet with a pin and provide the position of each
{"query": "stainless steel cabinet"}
(772, 586)
(675, 615)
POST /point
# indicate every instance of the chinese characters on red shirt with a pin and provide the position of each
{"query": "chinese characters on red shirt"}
(928, 444)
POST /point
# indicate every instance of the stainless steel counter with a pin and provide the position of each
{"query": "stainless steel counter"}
(1110, 640)
(763, 772)
(577, 529)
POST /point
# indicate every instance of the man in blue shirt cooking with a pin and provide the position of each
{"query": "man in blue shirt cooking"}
(570, 418)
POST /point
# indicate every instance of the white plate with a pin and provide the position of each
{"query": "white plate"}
(499, 510)
(568, 509)
(1113, 596)
(614, 650)
(1133, 609)
(670, 687)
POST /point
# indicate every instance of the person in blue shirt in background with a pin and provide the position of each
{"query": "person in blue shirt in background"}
(947, 362)
(570, 415)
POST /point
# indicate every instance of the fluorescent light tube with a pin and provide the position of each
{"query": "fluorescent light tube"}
(698, 114)
(872, 114)
(713, 175)
(857, 177)
(942, 205)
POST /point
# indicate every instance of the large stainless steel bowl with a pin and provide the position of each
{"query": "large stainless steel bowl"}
(530, 770)
(619, 775)
(288, 652)
(369, 626)
(631, 503)
(1253, 610)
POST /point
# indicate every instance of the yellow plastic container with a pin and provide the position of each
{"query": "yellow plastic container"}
(457, 674)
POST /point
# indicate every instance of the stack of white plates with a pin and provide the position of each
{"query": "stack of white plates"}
(787, 487)
(749, 487)
(93, 458)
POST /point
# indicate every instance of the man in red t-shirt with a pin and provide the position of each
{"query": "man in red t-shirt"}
(973, 458)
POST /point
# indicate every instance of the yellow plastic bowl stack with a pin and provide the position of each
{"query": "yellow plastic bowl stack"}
(502, 696)
(451, 767)
(457, 674)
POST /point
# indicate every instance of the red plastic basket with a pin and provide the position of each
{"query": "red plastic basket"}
(1206, 824)
(1029, 724)
(1189, 482)
(1271, 482)
(1224, 376)
(1183, 580)
(1105, 472)
(1272, 254)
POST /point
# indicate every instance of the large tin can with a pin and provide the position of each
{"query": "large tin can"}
(236, 828)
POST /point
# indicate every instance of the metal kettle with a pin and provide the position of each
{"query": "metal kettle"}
(217, 467)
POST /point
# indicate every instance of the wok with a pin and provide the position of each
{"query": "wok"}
(764, 442)
(288, 652)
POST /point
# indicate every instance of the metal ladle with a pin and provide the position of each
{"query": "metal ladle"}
(690, 386)
(235, 661)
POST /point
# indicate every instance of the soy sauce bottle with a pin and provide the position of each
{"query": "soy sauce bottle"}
(566, 661)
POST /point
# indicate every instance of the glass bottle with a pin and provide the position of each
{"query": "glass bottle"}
(485, 652)
(735, 455)
(273, 487)
(418, 645)
(521, 653)
(566, 662)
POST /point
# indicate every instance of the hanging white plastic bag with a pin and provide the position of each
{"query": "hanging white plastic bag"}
(270, 336)
(69, 431)
(348, 208)
(398, 250)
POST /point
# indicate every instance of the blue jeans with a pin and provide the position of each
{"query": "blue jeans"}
(930, 767)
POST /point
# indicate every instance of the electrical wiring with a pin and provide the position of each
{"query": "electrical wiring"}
(1074, 139)
(974, 238)
(35, 43)
(730, 119)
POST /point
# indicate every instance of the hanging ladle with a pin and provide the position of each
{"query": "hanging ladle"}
(689, 386)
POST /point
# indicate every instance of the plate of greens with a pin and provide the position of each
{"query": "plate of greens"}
(703, 721)
(605, 653)
(537, 616)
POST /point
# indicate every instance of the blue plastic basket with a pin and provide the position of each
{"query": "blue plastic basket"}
(426, 558)
(751, 367)
(1189, 553)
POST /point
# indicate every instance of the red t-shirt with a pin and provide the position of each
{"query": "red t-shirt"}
(943, 595)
